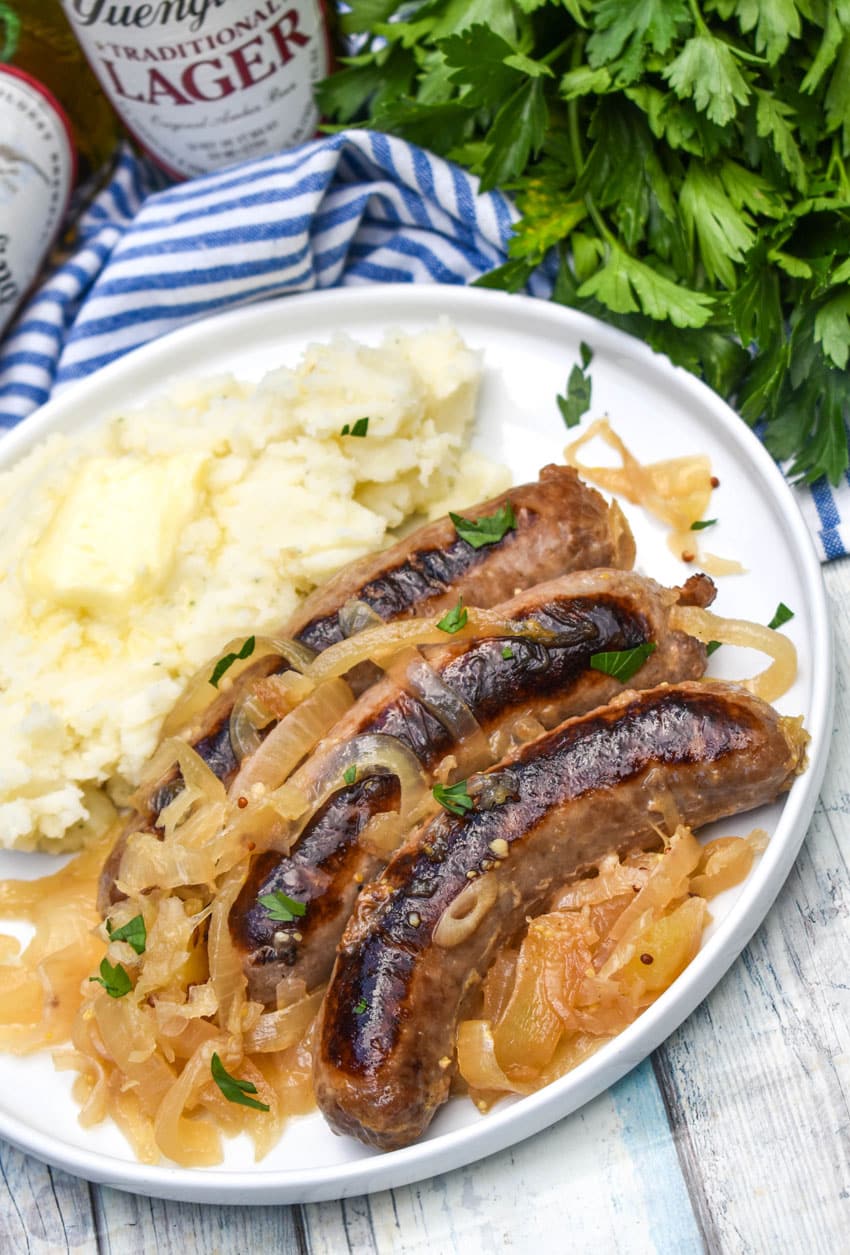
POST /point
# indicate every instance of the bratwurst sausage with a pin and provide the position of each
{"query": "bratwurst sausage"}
(499, 681)
(560, 525)
(390, 1012)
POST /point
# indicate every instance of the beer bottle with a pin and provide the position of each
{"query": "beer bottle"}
(201, 84)
(57, 132)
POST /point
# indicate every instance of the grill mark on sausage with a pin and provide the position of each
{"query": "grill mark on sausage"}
(316, 860)
(424, 575)
(390, 1010)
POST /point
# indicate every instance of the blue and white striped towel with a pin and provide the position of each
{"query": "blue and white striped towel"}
(358, 207)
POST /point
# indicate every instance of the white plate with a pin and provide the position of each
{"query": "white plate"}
(528, 349)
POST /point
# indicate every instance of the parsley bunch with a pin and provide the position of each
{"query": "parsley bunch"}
(686, 159)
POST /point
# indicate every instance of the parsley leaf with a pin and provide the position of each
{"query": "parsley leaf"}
(454, 798)
(627, 285)
(775, 25)
(724, 233)
(350, 774)
(641, 22)
(579, 388)
(622, 664)
(234, 1090)
(700, 524)
(711, 647)
(228, 660)
(477, 57)
(360, 428)
(360, 1006)
(486, 530)
(832, 328)
(133, 932)
(454, 619)
(518, 132)
(507, 653)
(115, 980)
(281, 908)
(706, 70)
(782, 615)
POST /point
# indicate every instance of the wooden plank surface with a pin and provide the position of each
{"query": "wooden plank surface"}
(734, 1138)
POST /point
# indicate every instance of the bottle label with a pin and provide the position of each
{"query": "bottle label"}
(36, 176)
(205, 83)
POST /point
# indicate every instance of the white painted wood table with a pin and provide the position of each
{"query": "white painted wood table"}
(733, 1137)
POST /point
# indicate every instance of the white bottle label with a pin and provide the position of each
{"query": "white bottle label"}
(36, 175)
(202, 84)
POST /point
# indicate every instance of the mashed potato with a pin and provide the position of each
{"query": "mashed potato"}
(131, 553)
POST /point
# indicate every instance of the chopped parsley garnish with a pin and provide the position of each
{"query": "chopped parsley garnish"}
(783, 615)
(487, 530)
(281, 908)
(233, 1089)
(711, 647)
(115, 980)
(350, 774)
(454, 797)
(579, 386)
(702, 523)
(361, 1006)
(228, 660)
(455, 619)
(133, 932)
(360, 428)
(622, 664)
(507, 653)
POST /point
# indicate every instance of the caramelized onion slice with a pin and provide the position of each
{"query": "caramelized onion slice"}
(324, 774)
(294, 737)
(769, 684)
(379, 644)
(476, 1060)
(726, 861)
(357, 615)
(667, 881)
(247, 720)
(463, 915)
(278, 1030)
(281, 693)
(420, 679)
(197, 810)
(200, 693)
(677, 491)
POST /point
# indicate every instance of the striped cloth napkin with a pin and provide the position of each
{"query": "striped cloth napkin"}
(357, 207)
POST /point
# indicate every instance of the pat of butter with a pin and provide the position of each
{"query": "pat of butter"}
(113, 537)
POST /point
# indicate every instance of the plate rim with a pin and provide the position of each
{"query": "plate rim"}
(530, 1115)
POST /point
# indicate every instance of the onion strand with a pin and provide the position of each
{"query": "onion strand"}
(776, 679)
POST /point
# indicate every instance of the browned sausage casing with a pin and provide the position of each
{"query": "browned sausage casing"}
(561, 525)
(391, 1010)
(587, 613)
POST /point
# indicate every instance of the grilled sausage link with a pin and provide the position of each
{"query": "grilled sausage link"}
(561, 525)
(586, 613)
(390, 1012)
